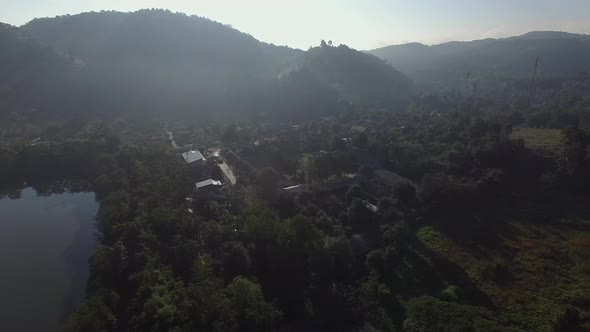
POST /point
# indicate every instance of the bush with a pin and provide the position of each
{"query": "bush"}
(450, 294)
(565, 318)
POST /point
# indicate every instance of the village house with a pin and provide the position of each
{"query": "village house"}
(207, 184)
(194, 159)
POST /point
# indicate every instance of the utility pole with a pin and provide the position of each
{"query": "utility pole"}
(474, 92)
(533, 81)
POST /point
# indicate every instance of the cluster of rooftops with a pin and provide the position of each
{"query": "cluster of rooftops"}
(196, 160)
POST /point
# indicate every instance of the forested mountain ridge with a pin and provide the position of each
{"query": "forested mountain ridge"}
(157, 37)
(327, 75)
(491, 61)
(29, 72)
(339, 194)
(156, 61)
(358, 75)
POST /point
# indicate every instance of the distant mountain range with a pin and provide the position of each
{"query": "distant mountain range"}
(162, 62)
(489, 61)
(170, 62)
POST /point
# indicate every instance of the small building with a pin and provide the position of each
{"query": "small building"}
(371, 207)
(359, 129)
(194, 158)
(210, 183)
(391, 179)
(300, 188)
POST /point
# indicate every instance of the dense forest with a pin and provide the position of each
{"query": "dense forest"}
(352, 195)
(159, 62)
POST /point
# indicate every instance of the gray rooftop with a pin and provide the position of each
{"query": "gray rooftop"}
(300, 188)
(192, 156)
(206, 183)
(391, 179)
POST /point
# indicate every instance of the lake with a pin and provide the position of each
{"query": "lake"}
(45, 243)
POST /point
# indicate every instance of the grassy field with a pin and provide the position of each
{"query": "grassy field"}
(543, 266)
(548, 139)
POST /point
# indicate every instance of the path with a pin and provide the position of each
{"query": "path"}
(170, 136)
(228, 173)
(224, 168)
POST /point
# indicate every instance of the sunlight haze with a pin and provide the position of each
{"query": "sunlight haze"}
(359, 24)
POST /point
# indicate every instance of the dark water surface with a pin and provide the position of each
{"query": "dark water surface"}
(45, 243)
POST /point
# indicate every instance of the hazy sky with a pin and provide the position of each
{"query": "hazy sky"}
(362, 24)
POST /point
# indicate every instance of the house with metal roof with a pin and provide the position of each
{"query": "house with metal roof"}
(210, 183)
(296, 189)
(391, 179)
(194, 158)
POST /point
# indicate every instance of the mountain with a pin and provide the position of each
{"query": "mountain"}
(491, 61)
(355, 75)
(326, 76)
(159, 38)
(31, 76)
(162, 61)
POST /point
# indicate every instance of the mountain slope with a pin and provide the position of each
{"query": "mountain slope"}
(31, 76)
(162, 61)
(356, 74)
(491, 60)
(327, 78)
(159, 62)
(158, 37)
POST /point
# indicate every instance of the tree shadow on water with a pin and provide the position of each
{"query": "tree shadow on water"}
(77, 256)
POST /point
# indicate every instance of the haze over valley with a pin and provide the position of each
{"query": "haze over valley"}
(161, 171)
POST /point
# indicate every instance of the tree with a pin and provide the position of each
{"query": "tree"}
(354, 192)
(309, 169)
(230, 134)
(566, 318)
(376, 260)
(323, 43)
(574, 151)
(337, 144)
(246, 309)
(360, 140)
(366, 170)
(360, 218)
(507, 129)
(93, 316)
(405, 193)
(98, 131)
(236, 260)
(267, 180)
(216, 173)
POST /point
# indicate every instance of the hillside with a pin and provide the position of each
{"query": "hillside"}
(491, 61)
(326, 74)
(159, 38)
(356, 75)
(156, 60)
(30, 75)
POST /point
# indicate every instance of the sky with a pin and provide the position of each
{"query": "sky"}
(361, 24)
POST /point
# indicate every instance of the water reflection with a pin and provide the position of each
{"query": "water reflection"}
(45, 243)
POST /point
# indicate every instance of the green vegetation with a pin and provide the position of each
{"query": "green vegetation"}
(361, 201)
(537, 138)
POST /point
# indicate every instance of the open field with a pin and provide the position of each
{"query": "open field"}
(527, 269)
(535, 138)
